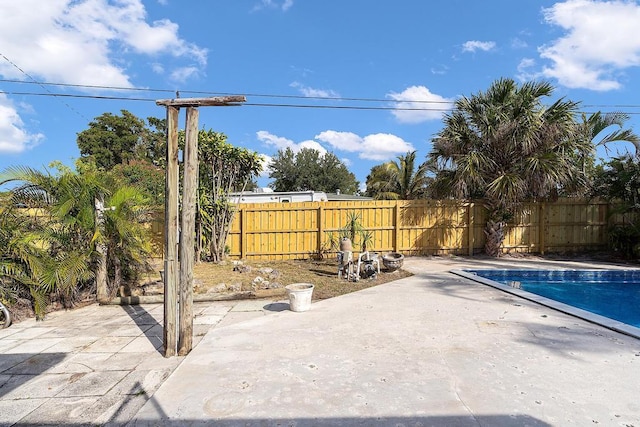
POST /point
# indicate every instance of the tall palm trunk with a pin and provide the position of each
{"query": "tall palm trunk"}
(494, 233)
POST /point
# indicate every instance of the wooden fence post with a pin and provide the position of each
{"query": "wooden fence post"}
(541, 227)
(243, 233)
(471, 228)
(396, 240)
(171, 235)
(320, 228)
(187, 233)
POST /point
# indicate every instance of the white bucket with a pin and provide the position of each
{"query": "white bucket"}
(300, 296)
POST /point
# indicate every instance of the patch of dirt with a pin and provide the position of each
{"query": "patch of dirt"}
(268, 278)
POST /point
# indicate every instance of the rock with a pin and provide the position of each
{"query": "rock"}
(274, 274)
(275, 285)
(220, 287)
(258, 280)
(241, 268)
(236, 287)
(265, 270)
(156, 288)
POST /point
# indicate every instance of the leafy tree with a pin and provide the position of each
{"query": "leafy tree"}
(60, 233)
(602, 130)
(222, 168)
(311, 170)
(619, 180)
(145, 177)
(398, 180)
(112, 140)
(505, 146)
(19, 258)
(378, 179)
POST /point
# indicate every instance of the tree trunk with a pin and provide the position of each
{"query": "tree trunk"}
(101, 249)
(117, 274)
(494, 232)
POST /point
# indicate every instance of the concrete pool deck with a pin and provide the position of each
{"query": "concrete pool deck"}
(431, 349)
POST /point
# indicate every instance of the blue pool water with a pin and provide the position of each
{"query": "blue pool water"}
(611, 293)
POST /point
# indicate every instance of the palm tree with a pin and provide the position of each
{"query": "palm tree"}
(505, 146)
(19, 258)
(593, 128)
(398, 180)
(64, 236)
(64, 228)
(603, 130)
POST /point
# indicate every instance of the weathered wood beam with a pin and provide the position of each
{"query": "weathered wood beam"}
(187, 232)
(216, 101)
(171, 235)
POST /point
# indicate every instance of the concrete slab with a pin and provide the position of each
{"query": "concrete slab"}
(21, 387)
(61, 411)
(11, 413)
(92, 383)
(33, 345)
(426, 350)
(143, 344)
(250, 305)
(108, 344)
(433, 349)
(238, 317)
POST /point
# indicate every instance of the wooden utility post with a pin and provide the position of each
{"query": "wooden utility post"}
(171, 228)
(179, 261)
(187, 240)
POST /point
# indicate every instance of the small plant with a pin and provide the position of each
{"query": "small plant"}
(625, 239)
(355, 231)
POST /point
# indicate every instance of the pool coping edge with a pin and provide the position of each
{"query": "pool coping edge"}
(597, 319)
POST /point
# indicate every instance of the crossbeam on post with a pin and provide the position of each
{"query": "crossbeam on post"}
(216, 101)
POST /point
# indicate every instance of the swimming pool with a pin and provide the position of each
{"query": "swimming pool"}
(607, 297)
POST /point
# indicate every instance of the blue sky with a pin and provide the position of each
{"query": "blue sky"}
(364, 53)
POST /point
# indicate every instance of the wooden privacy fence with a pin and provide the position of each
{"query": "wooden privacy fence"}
(414, 227)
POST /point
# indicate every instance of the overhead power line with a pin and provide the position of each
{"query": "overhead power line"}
(261, 95)
(256, 104)
(34, 81)
(400, 107)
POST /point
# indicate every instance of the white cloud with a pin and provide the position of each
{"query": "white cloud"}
(185, 73)
(157, 68)
(474, 45)
(421, 105)
(384, 146)
(440, 70)
(282, 143)
(273, 4)
(598, 44)
(525, 69)
(14, 138)
(266, 170)
(286, 5)
(380, 146)
(343, 141)
(83, 41)
(518, 43)
(311, 92)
